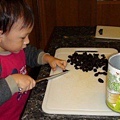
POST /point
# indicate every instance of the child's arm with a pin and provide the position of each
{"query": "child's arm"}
(11, 85)
(5, 92)
(37, 57)
(32, 54)
(54, 62)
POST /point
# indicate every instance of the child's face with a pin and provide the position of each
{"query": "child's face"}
(16, 39)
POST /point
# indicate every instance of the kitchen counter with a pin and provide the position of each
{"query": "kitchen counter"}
(65, 37)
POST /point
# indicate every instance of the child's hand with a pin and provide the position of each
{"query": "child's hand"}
(54, 62)
(24, 81)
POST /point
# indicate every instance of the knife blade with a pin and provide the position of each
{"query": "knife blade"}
(86, 51)
(52, 76)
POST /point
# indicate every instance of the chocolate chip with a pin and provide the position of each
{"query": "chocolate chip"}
(88, 62)
(65, 70)
(100, 80)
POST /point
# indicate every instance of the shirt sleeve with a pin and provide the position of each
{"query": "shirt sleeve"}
(34, 56)
(8, 87)
(5, 92)
(12, 84)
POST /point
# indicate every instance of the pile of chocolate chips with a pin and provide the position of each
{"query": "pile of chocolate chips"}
(88, 62)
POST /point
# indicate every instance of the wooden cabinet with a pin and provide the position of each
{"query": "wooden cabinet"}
(75, 12)
(51, 13)
(47, 18)
(108, 12)
(35, 36)
(65, 13)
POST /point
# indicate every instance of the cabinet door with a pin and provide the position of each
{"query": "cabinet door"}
(108, 13)
(51, 13)
(76, 12)
(35, 36)
(65, 13)
(47, 18)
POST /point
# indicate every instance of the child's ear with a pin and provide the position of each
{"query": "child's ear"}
(1, 35)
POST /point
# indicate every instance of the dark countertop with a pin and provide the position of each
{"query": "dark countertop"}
(65, 37)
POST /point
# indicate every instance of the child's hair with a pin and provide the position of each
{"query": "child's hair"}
(11, 11)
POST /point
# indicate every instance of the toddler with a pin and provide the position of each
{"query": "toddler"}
(16, 23)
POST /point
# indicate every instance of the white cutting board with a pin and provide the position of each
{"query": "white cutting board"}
(108, 32)
(77, 92)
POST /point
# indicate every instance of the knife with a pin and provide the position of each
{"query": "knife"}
(86, 51)
(48, 78)
(52, 76)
